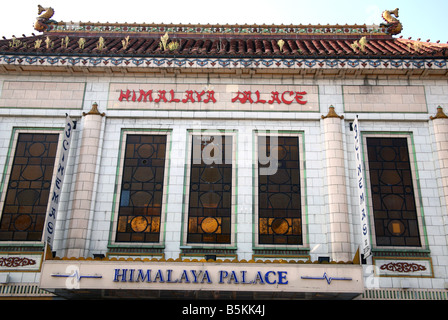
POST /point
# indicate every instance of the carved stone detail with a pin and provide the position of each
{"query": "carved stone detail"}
(403, 267)
(13, 262)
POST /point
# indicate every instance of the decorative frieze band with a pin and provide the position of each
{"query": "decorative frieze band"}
(216, 63)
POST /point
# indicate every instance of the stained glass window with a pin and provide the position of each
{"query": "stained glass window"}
(392, 189)
(210, 194)
(29, 185)
(279, 194)
(141, 196)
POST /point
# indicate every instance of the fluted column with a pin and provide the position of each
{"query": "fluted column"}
(339, 236)
(85, 181)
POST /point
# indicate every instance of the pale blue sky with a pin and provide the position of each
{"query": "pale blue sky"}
(420, 19)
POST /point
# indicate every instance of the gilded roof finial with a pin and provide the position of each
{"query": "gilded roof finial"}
(125, 43)
(37, 43)
(281, 43)
(361, 44)
(65, 41)
(164, 40)
(332, 114)
(81, 43)
(94, 111)
(49, 43)
(439, 115)
(101, 44)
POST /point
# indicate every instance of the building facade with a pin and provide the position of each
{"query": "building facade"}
(223, 161)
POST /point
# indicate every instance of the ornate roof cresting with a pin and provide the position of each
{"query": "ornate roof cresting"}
(44, 21)
(393, 25)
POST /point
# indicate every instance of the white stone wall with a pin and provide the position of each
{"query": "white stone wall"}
(317, 221)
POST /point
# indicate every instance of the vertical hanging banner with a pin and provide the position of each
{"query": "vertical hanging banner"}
(365, 245)
(58, 182)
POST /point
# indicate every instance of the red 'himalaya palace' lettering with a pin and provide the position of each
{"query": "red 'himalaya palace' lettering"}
(286, 97)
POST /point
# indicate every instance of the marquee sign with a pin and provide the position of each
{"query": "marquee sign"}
(139, 275)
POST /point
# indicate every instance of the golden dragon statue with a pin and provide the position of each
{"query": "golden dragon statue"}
(393, 25)
(44, 20)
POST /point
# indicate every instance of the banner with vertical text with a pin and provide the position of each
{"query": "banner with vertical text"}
(58, 182)
(365, 245)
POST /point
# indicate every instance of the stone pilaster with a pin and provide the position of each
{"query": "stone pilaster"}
(339, 230)
(440, 125)
(85, 181)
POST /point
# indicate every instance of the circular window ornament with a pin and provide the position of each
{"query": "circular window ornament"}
(280, 226)
(210, 225)
(22, 222)
(139, 224)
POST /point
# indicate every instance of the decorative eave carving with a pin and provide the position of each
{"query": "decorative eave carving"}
(439, 115)
(332, 114)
